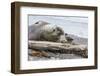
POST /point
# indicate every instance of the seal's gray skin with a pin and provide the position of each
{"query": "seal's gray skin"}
(44, 31)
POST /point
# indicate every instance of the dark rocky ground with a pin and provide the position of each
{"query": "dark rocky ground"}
(57, 56)
(78, 40)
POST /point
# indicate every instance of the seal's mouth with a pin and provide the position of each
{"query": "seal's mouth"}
(49, 36)
(52, 38)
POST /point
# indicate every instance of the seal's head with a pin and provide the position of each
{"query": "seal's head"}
(51, 33)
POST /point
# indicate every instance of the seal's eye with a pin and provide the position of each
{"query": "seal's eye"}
(37, 23)
(54, 30)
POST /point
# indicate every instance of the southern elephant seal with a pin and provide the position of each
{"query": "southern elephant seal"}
(44, 31)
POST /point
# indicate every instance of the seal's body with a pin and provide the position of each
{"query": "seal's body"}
(43, 31)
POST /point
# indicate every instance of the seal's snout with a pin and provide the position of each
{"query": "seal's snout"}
(60, 31)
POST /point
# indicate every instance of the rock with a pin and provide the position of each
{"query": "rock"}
(38, 53)
(77, 40)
